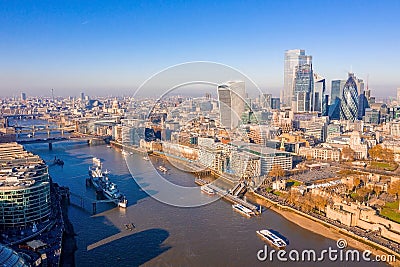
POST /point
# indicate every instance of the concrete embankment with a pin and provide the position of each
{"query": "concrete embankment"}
(132, 149)
(69, 242)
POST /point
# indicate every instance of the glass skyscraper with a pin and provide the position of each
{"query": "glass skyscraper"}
(362, 105)
(349, 100)
(334, 109)
(337, 89)
(303, 88)
(293, 58)
(318, 101)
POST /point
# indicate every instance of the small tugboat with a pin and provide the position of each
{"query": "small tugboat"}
(162, 168)
(130, 226)
(58, 162)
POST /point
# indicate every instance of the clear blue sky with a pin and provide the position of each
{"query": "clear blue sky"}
(110, 47)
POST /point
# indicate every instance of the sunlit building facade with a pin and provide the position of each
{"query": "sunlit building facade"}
(231, 97)
(293, 58)
(24, 187)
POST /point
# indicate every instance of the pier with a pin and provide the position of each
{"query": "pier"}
(81, 201)
(129, 148)
(228, 196)
(193, 167)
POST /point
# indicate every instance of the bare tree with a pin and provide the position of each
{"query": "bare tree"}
(276, 171)
(394, 188)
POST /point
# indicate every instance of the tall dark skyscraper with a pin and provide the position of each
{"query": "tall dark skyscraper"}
(334, 109)
(362, 105)
(325, 106)
(318, 100)
(337, 89)
(303, 88)
(349, 100)
(275, 103)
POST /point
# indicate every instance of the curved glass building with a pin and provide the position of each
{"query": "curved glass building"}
(349, 100)
(24, 187)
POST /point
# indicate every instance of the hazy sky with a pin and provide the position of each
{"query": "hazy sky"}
(111, 47)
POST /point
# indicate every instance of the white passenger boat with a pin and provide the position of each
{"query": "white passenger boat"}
(207, 190)
(272, 238)
(243, 210)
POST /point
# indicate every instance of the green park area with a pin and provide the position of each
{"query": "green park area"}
(291, 183)
(381, 165)
(391, 211)
(277, 193)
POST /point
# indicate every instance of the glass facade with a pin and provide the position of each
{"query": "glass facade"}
(334, 110)
(337, 89)
(318, 101)
(24, 188)
(24, 206)
(362, 106)
(293, 58)
(349, 101)
(303, 88)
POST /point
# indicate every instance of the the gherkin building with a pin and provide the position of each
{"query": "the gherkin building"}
(349, 102)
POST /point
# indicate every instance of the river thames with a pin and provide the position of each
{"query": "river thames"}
(164, 235)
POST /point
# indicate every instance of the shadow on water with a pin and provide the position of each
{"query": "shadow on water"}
(130, 188)
(134, 193)
(103, 238)
(137, 248)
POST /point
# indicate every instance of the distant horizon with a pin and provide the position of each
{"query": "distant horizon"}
(99, 46)
(153, 95)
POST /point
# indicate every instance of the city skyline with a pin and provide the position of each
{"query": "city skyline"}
(171, 160)
(105, 49)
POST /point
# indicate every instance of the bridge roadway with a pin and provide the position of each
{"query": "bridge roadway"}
(20, 116)
(41, 140)
(49, 141)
